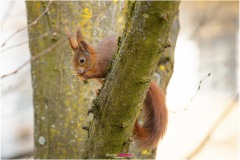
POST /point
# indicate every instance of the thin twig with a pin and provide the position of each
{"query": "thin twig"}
(189, 103)
(35, 58)
(219, 120)
(21, 81)
(22, 43)
(31, 24)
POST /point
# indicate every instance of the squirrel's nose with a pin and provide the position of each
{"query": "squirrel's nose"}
(81, 70)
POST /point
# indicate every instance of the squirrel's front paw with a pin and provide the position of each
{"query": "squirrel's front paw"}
(80, 77)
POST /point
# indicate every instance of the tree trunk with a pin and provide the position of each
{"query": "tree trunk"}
(163, 75)
(166, 63)
(60, 100)
(115, 110)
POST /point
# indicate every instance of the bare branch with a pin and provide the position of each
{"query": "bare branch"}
(22, 43)
(44, 35)
(219, 120)
(35, 58)
(24, 78)
(189, 103)
(31, 24)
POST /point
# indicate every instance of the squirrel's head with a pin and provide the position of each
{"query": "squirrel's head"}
(83, 53)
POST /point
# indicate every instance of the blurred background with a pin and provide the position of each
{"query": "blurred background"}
(203, 123)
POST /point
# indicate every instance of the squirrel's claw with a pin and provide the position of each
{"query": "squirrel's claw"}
(80, 77)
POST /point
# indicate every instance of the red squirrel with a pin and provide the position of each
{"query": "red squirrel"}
(93, 62)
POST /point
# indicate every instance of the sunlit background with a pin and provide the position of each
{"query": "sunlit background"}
(203, 123)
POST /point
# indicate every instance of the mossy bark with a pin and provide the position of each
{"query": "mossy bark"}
(164, 73)
(166, 63)
(115, 110)
(60, 100)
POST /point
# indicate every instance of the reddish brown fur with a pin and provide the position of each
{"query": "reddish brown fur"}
(155, 111)
(155, 119)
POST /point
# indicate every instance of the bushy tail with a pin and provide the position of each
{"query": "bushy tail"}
(155, 119)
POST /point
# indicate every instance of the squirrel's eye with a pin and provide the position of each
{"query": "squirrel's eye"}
(82, 60)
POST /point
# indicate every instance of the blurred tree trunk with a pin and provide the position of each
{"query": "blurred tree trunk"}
(166, 63)
(144, 39)
(60, 100)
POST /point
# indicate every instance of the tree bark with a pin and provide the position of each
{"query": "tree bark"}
(162, 77)
(166, 63)
(115, 110)
(60, 100)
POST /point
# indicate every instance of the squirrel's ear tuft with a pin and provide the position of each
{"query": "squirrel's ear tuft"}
(73, 43)
(83, 45)
(79, 35)
(71, 39)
